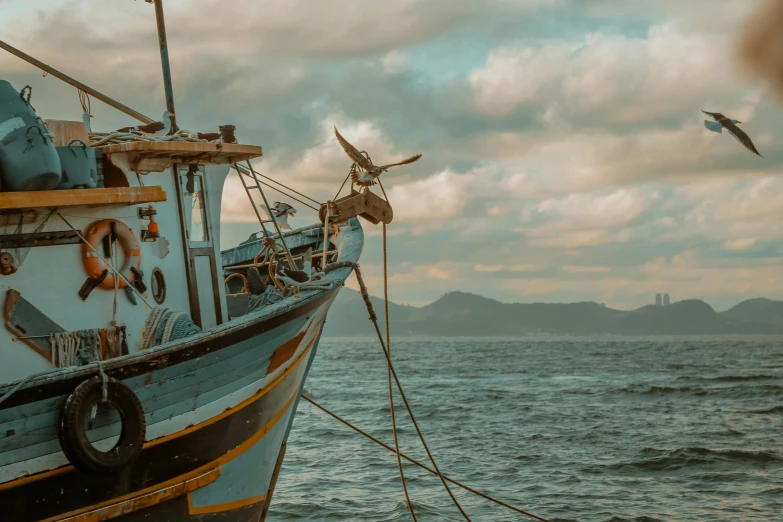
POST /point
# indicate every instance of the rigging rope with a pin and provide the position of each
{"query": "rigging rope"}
(240, 170)
(389, 376)
(374, 319)
(422, 466)
(286, 187)
(291, 264)
(105, 262)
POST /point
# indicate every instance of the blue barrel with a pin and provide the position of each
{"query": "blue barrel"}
(28, 158)
(80, 169)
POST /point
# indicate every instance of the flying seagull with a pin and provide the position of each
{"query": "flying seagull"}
(371, 172)
(722, 122)
(159, 128)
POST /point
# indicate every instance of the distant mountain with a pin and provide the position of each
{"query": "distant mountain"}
(464, 314)
(759, 310)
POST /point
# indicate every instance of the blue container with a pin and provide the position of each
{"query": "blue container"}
(80, 167)
(28, 158)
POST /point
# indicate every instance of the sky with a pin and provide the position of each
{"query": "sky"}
(564, 153)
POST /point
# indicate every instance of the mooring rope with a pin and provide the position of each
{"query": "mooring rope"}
(422, 466)
(374, 319)
(389, 376)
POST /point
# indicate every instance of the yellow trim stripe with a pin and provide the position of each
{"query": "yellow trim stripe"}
(45, 474)
(228, 506)
(215, 464)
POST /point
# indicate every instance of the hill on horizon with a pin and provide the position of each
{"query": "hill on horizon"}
(465, 314)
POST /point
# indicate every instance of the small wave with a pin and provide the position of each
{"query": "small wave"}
(669, 460)
(768, 411)
(635, 519)
(731, 378)
(651, 389)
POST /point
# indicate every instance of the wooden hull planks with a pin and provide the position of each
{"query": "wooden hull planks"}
(216, 423)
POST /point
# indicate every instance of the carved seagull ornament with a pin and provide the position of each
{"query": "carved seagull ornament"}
(371, 172)
(722, 122)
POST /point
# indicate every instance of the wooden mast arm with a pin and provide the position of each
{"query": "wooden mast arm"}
(79, 85)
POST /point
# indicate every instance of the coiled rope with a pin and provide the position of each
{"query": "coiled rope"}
(99, 139)
(164, 325)
(374, 319)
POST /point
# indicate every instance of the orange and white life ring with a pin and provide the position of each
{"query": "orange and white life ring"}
(92, 263)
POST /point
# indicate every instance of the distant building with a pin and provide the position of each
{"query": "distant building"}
(666, 300)
(658, 301)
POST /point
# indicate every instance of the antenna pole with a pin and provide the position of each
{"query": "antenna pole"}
(164, 62)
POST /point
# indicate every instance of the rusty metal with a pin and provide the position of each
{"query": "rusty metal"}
(147, 499)
(38, 239)
(164, 62)
(227, 133)
(365, 204)
(272, 483)
(79, 85)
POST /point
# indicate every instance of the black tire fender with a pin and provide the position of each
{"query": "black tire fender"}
(73, 439)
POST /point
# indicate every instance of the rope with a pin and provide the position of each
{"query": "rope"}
(274, 221)
(241, 171)
(164, 325)
(64, 346)
(422, 466)
(287, 188)
(269, 296)
(389, 376)
(374, 319)
(106, 263)
(344, 181)
(99, 139)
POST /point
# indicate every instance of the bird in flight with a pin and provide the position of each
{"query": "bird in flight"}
(371, 172)
(722, 122)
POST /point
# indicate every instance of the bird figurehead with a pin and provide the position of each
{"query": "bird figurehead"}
(281, 209)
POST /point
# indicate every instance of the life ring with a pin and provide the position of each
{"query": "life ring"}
(73, 438)
(92, 263)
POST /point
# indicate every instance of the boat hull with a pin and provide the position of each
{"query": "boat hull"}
(218, 412)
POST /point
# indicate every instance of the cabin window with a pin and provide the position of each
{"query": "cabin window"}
(195, 207)
(158, 284)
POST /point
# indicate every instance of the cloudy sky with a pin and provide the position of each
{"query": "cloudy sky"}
(564, 153)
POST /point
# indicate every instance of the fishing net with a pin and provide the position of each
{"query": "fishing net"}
(15, 244)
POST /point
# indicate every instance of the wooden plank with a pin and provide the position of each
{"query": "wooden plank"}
(186, 151)
(65, 131)
(76, 197)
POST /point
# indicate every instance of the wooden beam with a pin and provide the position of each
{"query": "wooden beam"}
(76, 197)
(79, 85)
(185, 151)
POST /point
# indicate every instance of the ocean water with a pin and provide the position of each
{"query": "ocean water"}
(608, 429)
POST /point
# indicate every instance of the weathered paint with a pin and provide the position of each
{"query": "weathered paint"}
(223, 400)
(142, 501)
(216, 441)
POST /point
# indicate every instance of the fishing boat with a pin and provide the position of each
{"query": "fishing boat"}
(144, 373)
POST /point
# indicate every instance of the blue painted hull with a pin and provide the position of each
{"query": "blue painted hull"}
(218, 411)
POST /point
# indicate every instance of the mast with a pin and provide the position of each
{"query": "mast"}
(164, 62)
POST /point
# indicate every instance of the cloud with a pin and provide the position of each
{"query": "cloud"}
(612, 77)
(565, 156)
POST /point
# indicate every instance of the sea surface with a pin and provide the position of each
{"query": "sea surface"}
(589, 429)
